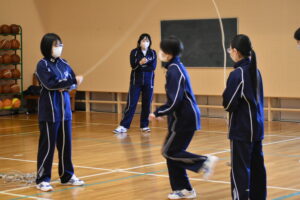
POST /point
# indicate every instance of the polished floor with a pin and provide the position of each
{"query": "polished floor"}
(132, 168)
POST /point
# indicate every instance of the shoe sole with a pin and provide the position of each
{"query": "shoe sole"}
(48, 190)
(189, 197)
(117, 132)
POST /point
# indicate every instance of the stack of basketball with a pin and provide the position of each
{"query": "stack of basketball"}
(10, 73)
(14, 103)
(9, 88)
(9, 44)
(7, 58)
(10, 59)
(12, 29)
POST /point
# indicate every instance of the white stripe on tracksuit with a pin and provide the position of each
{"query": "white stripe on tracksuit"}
(178, 88)
(173, 133)
(235, 190)
(242, 96)
(168, 144)
(39, 171)
(237, 89)
(64, 134)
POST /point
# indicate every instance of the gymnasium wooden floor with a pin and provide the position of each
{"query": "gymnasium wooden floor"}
(132, 168)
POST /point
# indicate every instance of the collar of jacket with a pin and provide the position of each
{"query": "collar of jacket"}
(52, 59)
(173, 60)
(140, 50)
(242, 62)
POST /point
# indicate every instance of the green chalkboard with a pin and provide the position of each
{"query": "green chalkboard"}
(202, 40)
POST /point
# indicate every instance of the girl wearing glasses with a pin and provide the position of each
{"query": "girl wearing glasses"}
(243, 98)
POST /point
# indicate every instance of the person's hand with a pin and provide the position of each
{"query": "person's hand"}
(79, 79)
(143, 61)
(152, 117)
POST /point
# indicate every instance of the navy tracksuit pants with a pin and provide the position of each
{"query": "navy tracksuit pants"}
(57, 134)
(178, 159)
(132, 100)
(248, 173)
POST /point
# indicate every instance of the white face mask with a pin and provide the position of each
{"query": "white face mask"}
(298, 45)
(162, 56)
(56, 51)
(145, 45)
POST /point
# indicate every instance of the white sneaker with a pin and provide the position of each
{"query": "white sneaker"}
(183, 194)
(74, 181)
(120, 129)
(44, 186)
(209, 165)
(146, 129)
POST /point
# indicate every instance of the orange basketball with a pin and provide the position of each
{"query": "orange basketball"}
(5, 44)
(15, 44)
(16, 103)
(6, 73)
(5, 29)
(6, 59)
(6, 89)
(15, 58)
(14, 88)
(15, 73)
(14, 29)
(7, 104)
(1, 104)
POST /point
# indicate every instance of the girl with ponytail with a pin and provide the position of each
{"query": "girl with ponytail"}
(244, 100)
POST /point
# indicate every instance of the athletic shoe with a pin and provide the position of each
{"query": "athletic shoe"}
(183, 194)
(120, 129)
(44, 186)
(146, 129)
(209, 165)
(74, 181)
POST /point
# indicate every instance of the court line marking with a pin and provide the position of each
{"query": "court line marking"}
(115, 124)
(281, 141)
(56, 181)
(213, 181)
(126, 170)
(287, 196)
(26, 196)
(90, 184)
(138, 174)
(148, 165)
(214, 153)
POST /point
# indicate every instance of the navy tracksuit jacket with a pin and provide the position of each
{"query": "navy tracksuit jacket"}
(141, 81)
(56, 78)
(183, 120)
(246, 132)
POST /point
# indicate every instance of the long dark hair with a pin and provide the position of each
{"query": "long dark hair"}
(142, 36)
(243, 44)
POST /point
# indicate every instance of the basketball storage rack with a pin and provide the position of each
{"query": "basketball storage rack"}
(19, 66)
